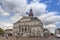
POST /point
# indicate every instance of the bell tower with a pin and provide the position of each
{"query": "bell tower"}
(30, 13)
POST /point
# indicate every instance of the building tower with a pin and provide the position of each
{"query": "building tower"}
(30, 13)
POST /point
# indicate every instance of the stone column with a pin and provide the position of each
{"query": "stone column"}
(27, 28)
(21, 29)
(31, 32)
(24, 29)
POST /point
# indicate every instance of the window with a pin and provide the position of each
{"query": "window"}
(25, 29)
(22, 29)
(59, 31)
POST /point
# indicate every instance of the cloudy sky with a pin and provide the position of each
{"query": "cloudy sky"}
(46, 10)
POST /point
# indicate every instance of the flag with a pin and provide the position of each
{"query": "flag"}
(27, 13)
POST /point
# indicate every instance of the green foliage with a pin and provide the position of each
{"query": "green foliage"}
(1, 31)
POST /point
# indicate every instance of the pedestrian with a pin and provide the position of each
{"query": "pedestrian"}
(16, 36)
(6, 36)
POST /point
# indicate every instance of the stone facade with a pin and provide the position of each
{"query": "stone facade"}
(57, 31)
(28, 26)
(9, 32)
(46, 32)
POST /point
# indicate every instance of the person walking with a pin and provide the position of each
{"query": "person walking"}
(16, 36)
(6, 36)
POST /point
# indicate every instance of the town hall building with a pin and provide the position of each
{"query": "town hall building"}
(28, 26)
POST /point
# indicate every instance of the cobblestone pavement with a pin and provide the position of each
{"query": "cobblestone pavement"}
(33, 38)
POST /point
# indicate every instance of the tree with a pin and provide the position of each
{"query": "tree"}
(1, 31)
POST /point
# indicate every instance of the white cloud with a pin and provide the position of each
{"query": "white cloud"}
(11, 5)
(49, 18)
(5, 25)
(16, 18)
(35, 0)
(38, 8)
(22, 9)
(51, 27)
(3, 13)
(20, 6)
(48, 1)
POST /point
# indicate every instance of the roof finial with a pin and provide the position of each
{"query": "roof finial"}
(30, 9)
(30, 13)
